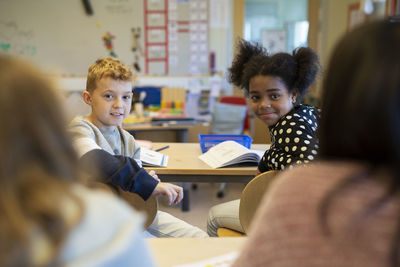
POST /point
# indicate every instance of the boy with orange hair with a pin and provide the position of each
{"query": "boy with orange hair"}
(99, 138)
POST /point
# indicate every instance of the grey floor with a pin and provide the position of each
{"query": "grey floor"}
(201, 200)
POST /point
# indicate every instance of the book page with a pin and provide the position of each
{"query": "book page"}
(224, 153)
(260, 153)
(153, 158)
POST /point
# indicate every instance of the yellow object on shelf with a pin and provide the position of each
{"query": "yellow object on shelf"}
(173, 98)
(133, 119)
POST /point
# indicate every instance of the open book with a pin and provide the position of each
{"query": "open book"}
(153, 158)
(230, 153)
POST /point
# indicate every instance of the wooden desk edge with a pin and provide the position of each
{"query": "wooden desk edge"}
(172, 251)
(130, 127)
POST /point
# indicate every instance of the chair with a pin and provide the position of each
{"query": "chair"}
(249, 202)
(229, 117)
(237, 100)
(149, 207)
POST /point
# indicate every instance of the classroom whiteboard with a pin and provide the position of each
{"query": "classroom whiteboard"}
(63, 39)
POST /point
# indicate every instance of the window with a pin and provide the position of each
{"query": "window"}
(280, 25)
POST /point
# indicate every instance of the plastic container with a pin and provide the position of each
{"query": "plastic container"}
(209, 140)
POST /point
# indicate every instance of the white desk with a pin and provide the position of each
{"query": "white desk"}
(172, 251)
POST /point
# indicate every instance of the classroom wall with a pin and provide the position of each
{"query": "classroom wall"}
(63, 39)
(39, 29)
(221, 32)
(333, 25)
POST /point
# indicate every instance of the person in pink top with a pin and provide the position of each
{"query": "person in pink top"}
(342, 209)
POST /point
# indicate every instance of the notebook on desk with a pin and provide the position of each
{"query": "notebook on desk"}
(151, 158)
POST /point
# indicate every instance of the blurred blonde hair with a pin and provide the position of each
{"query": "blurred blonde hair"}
(107, 67)
(38, 165)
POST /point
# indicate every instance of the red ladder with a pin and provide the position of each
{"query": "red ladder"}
(148, 28)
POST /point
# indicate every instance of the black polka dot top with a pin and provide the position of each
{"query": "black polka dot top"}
(293, 139)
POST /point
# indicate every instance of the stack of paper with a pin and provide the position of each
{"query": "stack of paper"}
(152, 158)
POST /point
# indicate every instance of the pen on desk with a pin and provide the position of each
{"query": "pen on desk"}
(162, 148)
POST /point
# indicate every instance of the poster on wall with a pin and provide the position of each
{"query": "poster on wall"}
(182, 46)
(274, 40)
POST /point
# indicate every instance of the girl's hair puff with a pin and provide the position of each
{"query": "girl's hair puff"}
(297, 71)
(308, 67)
(246, 52)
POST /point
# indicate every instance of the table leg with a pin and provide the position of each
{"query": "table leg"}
(182, 135)
(185, 200)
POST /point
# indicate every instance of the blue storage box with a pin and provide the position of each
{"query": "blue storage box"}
(153, 95)
(209, 140)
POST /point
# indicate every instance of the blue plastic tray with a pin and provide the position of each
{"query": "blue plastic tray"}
(209, 140)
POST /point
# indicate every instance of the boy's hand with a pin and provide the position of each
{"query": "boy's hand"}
(154, 175)
(173, 192)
